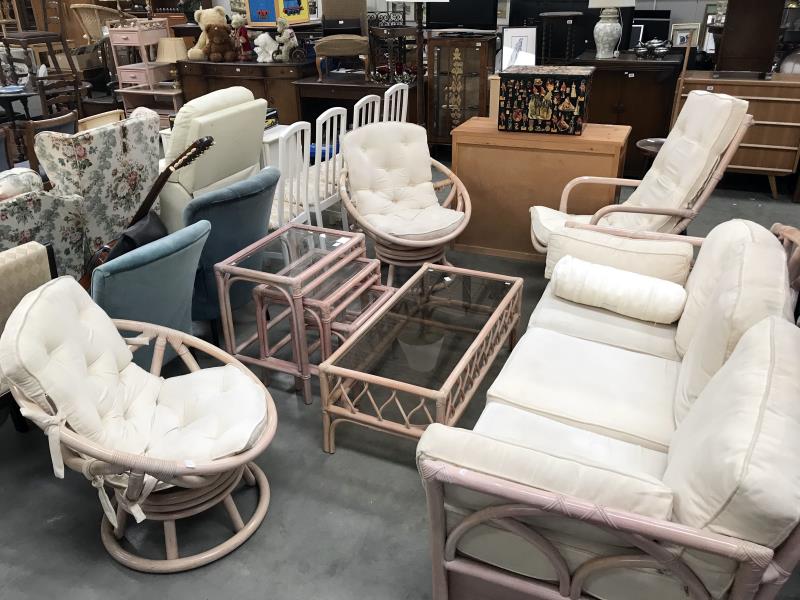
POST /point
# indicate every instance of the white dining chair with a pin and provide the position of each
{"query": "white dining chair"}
(331, 125)
(395, 103)
(367, 111)
(291, 204)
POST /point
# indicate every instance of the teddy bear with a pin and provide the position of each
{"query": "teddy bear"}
(205, 18)
(287, 41)
(265, 48)
(220, 45)
(241, 39)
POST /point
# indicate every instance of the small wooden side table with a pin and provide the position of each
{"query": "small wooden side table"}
(508, 172)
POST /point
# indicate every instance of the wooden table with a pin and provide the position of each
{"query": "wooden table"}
(342, 89)
(506, 173)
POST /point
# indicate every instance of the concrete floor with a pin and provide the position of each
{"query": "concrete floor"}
(347, 526)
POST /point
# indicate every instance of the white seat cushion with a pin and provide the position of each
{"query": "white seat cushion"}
(391, 183)
(59, 347)
(703, 130)
(746, 426)
(669, 260)
(545, 221)
(634, 295)
(622, 394)
(598, 325)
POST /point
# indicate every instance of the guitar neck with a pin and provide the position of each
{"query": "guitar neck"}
(152, 196)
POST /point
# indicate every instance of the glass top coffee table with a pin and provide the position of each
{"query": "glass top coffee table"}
(419, 359)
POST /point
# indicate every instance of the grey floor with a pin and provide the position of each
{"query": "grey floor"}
(347, 526)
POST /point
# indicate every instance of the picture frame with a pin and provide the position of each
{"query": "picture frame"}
(637, 33)
(519, 47)
(503, 12)
(679, 34)
(261, 13)
(294, 11)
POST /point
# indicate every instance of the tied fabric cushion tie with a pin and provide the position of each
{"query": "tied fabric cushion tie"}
(52, 429)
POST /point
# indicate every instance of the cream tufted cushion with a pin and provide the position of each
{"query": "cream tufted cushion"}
(546, 221)
(19, 180)
(623, 292)
(59, 346)
(391, 183)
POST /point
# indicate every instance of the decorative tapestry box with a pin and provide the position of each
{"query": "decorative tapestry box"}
(544, 99)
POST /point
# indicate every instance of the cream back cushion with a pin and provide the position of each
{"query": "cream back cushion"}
(722, 247)
(630, 294)
(59, 340)
(389, 167)
(204, 105)
(752, 287)
(705, 127)
(663, 259)
(746, 428)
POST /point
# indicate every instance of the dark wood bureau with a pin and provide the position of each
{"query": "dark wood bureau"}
(271, 81)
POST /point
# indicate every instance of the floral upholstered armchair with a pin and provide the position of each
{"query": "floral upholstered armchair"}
(28, 213)
(99, 176)
(112, 167)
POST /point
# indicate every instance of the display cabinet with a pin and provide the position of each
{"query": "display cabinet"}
(458, 82)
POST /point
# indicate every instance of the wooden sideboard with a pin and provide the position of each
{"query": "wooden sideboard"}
(506, 173)
(271, 81)
(630, 91)
(772, 146)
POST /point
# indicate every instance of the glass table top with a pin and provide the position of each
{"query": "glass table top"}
(425, 331)
(293, 251)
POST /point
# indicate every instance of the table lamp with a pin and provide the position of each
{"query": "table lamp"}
(171, 50)
(608, 29)
(418, 16)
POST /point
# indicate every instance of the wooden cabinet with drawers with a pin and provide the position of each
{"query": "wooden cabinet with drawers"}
(772, 146)
(271, 81)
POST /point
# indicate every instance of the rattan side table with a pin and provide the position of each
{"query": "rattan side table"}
(292, 261)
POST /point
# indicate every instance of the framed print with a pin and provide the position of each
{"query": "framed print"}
(294, 11)
(503, 9)
(681, 33)
(519, 47)
(261, 13)
(637, 31)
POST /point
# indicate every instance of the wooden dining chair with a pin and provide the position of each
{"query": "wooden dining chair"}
(59, 93)
(63, 123)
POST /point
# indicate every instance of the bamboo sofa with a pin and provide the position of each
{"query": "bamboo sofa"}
(641, 441)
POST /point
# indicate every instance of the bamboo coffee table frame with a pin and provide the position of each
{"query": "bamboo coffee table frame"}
(352, 395)
(292, 289)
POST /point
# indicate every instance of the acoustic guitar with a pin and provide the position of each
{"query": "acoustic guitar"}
(104, 254)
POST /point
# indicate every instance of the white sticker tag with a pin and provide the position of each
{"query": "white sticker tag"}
(189, 464)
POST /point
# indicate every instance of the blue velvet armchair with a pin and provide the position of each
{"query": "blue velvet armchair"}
(153, 283)
(239, 216)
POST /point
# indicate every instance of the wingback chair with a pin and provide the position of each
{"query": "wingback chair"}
(28, 213)
(685, 172)
(236, 122)
(153, 283)
(166, 448)
(112, 167)
(388, 188)
(238, 214)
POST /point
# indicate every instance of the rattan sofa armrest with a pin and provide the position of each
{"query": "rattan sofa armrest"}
(637, 235)
(594, 180)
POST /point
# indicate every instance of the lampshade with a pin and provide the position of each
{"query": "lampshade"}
(611, 3)
(171, 50)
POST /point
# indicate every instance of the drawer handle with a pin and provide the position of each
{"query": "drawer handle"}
(238, 70)
(124, 37)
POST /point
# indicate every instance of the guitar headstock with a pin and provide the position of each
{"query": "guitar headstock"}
(192, 153)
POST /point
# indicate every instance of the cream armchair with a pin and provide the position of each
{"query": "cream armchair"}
(167, 448)
(236, 122)
(685, 172)
(641, 439)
